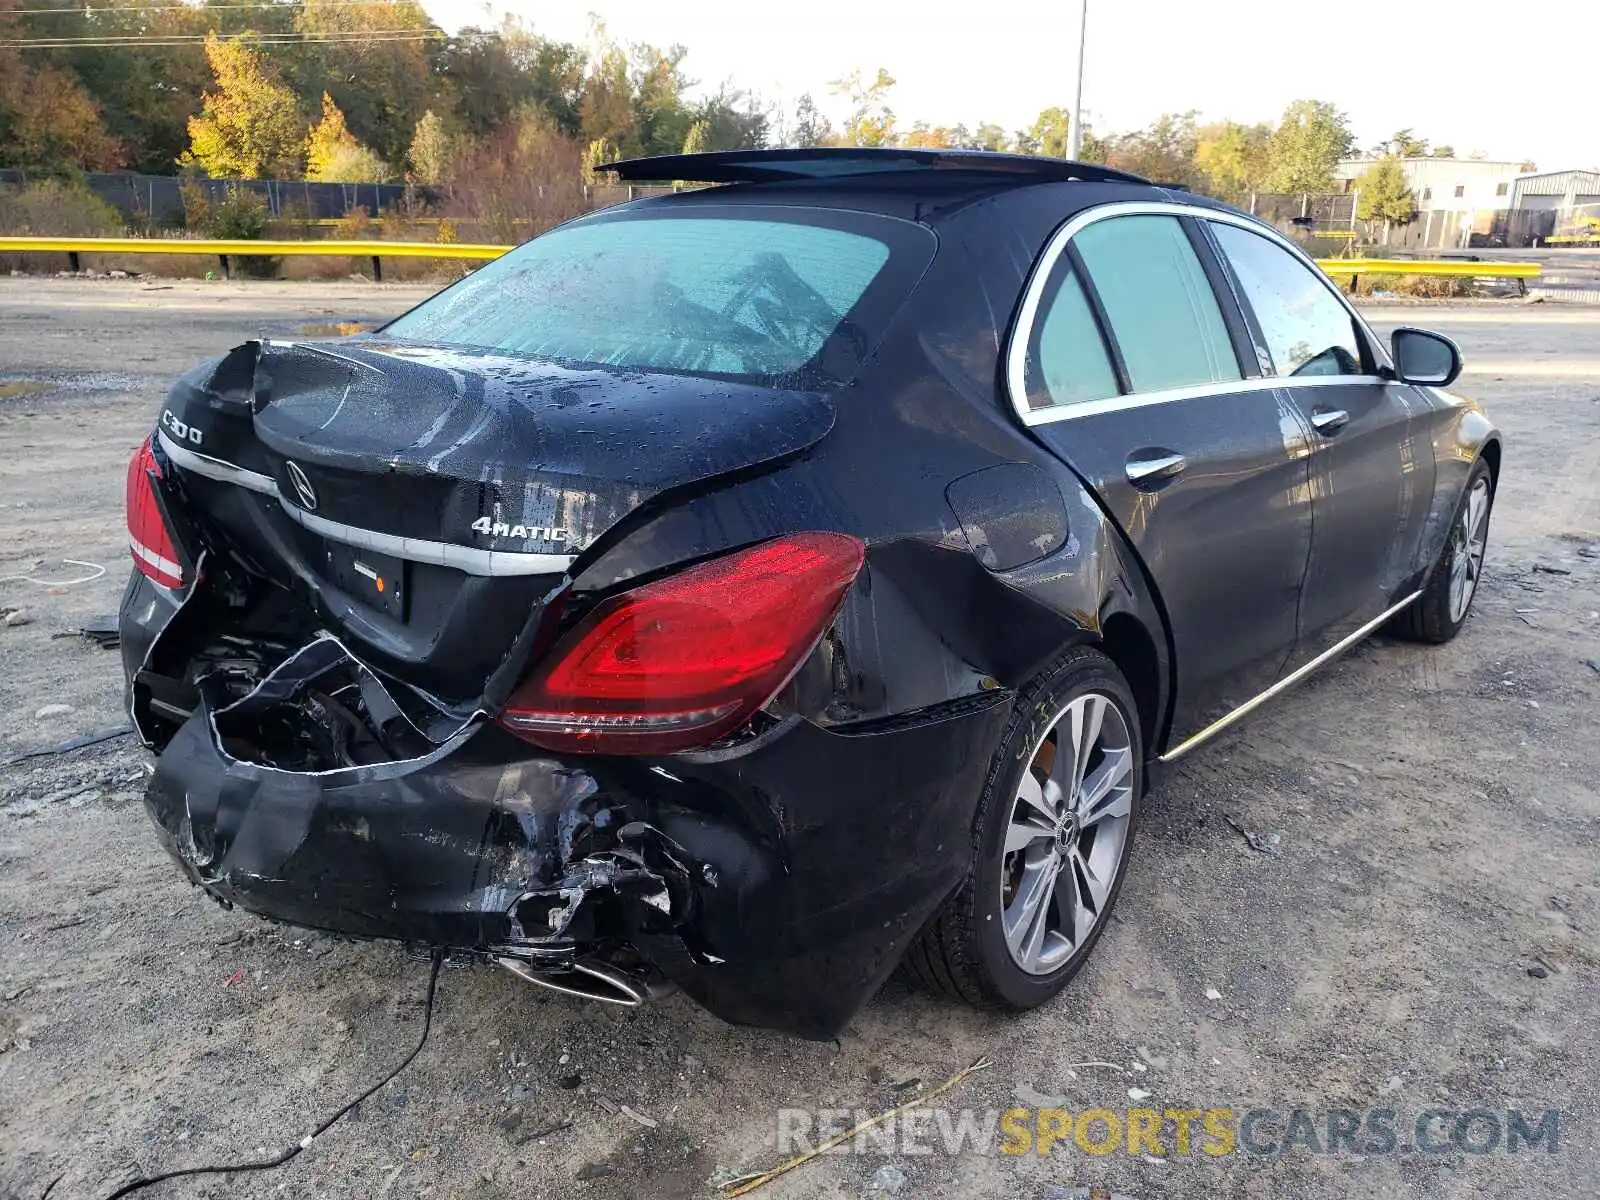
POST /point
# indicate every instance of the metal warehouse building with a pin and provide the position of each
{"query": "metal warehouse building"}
(1556, 189)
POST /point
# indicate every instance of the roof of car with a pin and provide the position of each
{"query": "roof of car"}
(839, 162)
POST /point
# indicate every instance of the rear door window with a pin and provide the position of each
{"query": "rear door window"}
(1307, 329)
(734, 292)
(1163, 314)
(1068, 362)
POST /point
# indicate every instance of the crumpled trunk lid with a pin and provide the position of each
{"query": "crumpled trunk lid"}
(426, 502)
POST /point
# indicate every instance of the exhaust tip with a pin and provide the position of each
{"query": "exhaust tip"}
(584, 979)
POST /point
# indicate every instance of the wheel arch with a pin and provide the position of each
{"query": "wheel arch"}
(1490, 453)
(1127, 643)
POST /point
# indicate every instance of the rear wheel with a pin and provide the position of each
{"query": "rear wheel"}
(1438, 614)
(1050, 844)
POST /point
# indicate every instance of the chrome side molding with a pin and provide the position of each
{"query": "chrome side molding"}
(1284, 684)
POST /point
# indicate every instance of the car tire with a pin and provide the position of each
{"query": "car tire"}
(1438, 614)
(977, 948)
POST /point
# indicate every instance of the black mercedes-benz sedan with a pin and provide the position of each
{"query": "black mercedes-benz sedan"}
(761, 587)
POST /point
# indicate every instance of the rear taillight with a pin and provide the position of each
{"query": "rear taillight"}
(682, 661)
(154, 554)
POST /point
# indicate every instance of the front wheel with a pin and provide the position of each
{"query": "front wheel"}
(1050, 844)
(1438, 614)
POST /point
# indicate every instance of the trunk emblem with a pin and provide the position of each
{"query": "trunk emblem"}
(302, 485)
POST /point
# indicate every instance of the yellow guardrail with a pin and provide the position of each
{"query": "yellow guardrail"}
(1458, 267)
(1342, 268)
(361, 249)
(225, 249)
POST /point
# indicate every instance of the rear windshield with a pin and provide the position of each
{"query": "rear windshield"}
(741, 292)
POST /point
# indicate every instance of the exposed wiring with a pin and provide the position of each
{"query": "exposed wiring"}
(95, 569)
(745, 1184)
(269, 1164)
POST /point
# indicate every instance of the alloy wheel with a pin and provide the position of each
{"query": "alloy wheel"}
(1467, 543)
(1067, 833)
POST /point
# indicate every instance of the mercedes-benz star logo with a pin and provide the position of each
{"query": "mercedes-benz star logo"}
(302, 485)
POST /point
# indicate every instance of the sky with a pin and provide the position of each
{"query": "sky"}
(1437, 69)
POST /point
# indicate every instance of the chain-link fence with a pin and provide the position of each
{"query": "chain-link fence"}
(1327, 223)
(156, 200)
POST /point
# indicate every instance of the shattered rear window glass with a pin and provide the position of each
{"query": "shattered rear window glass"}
(728, 295)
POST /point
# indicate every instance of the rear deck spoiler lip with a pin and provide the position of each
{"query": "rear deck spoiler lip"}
(472, 560)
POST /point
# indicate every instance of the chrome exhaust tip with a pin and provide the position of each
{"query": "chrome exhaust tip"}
(587, 980)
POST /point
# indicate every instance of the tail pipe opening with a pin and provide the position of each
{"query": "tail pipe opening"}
(587, 979)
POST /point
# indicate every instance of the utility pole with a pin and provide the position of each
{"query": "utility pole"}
(1075, 130)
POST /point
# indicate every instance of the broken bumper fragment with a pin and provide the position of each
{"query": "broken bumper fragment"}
(777, 882)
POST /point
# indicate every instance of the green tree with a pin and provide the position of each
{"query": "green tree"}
(1404, 143)
(1165, 152)
(605, 109)
(487, 76)
(871, 121)
(1049, 134)
(1382, 194)
(661, 119)
(333, 155)
(382, 83)
(990, 136)
(595, 155)
(1444, 151)
(1232, 158)
(328, 137)
(1094, 148)
(811, 128)
(732, 119)
(48, 121)
(248, 125)
(354, 163)
(694, 142)
(147, 92)
(1307, 145)
(924, 137)
(431, 152)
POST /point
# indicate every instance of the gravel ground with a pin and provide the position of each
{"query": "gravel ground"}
(1420, 931)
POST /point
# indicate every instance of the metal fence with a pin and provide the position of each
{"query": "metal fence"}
(157, 199)
(1326, 222)
(1305, 212)
(1310, 217)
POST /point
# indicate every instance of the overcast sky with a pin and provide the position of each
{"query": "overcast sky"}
(1473, 76)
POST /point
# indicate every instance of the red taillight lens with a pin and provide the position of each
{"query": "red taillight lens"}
(680, 662)
(154, 554)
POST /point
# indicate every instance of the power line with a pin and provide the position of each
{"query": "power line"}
(337, 37)
(286, 5)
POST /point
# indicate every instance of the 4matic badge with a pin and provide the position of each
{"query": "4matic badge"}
(539, 533)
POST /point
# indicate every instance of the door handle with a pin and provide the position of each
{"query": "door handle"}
(1155, 470)
(1329, 420)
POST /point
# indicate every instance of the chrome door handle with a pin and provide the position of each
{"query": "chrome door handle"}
(1329, 420)
(1148, 471)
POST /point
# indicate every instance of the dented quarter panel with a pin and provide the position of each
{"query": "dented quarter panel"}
(1459, 431)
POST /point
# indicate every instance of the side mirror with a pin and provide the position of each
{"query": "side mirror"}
(1421, 356)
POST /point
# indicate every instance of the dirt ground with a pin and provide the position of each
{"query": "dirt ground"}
(1421, 931)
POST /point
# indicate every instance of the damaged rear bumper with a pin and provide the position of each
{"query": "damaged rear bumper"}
(778, 882)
